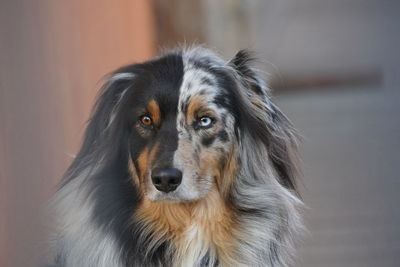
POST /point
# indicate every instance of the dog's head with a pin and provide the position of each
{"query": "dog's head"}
(180, 123)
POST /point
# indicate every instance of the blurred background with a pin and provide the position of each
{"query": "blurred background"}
(333, 66)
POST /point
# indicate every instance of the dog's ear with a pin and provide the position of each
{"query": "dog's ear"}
(249, 76)
(263, 120)
(97, 130)
(107, 102)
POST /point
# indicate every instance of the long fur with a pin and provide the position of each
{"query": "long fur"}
(248, 217)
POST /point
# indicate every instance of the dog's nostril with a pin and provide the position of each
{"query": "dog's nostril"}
(167, 180)
(174, 181)
(157, 181)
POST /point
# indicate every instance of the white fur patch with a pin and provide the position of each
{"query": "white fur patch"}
(195, 247)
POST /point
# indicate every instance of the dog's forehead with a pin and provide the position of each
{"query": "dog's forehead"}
(199, 73)
(200, 81)
(175, 79)
(197, 81)
(173, 83)
(158, 82)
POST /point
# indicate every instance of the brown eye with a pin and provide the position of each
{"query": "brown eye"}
(146, 120)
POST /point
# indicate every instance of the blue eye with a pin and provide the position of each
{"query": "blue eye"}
(205, 122)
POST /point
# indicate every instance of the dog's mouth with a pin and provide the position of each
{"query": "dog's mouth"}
(173, 197)
(171, 191)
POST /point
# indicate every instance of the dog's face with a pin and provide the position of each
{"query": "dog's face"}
(191, 128)
(182, 118)
(181, 128)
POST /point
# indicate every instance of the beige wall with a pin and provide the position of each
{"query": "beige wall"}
(52, 57)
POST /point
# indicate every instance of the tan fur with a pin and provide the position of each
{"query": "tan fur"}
(198, 227)
(145, 160)
(154, 110)
(195, 104)
(133, 172)
(228, 173)
(210, 215)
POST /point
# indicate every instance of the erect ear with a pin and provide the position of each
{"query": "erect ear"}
(248, 75)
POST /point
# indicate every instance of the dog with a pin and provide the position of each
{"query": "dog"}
(185, 162)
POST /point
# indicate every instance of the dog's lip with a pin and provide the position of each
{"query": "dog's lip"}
(168, 197)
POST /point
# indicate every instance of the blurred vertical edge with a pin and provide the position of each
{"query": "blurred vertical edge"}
(53, 55)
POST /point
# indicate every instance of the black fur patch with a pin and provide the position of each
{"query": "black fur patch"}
(223, 136)
(114, 194)
(208, 140)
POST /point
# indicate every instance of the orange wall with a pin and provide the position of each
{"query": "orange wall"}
(53, 55)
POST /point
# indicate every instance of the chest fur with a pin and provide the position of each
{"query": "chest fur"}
(194, 247)
(196, 231)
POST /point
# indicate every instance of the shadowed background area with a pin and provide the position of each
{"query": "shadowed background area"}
(333, 67)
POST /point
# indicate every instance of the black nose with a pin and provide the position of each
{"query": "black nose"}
(166, 180)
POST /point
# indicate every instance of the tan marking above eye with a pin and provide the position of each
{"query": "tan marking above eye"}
(195, 104)
(200, 111)
(154, 110)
